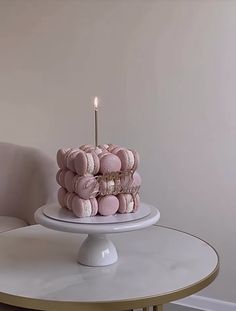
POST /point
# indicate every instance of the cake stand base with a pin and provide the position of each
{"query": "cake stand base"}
(97, 250)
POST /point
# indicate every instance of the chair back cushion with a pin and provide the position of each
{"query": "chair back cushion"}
(27, 181)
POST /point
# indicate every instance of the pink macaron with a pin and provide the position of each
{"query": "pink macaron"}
(111, 147)
(84, 208)
(130, 181)
(61, 157)
(61, 196)
(90, 148)
(97, 150)
(109, 163)
(103, 146)
(87, 147)
(128, 203)
(70, 158)
(60, 177)
(87, 163)
(69, 175)
(108, 205)
(68, 199)
(102, 154)
(115, 149)
(86, 187)
(129, 159)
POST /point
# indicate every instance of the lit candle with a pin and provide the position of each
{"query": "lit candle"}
(96, 119)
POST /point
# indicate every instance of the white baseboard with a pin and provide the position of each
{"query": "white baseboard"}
(206, 304)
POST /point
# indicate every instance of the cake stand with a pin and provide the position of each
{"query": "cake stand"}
(97, 249)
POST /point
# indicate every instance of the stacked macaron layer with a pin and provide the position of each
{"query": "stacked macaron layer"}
(100, 180)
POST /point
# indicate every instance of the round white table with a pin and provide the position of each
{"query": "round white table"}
(156, 265)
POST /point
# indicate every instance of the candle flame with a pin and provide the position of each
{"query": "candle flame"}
(96, 103)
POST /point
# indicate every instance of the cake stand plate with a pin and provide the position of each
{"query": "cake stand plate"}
(97, 249)
(63, 214)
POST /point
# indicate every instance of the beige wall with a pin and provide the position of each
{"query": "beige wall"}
(165, 71)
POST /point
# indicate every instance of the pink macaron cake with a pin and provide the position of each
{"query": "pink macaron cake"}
(98, 180)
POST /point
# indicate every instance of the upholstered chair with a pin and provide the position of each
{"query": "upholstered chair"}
(27, 181)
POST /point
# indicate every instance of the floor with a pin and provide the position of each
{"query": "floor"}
(173, 307)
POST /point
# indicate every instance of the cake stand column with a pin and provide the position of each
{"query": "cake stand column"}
(97, 250)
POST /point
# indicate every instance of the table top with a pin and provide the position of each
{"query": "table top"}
(156, 265)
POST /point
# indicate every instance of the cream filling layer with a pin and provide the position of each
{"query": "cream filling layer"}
(130, 159)
(87, 208)
(90, 163)
(110, 186)
(129, 203)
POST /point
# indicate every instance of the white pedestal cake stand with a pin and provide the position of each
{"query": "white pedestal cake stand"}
(96, 249)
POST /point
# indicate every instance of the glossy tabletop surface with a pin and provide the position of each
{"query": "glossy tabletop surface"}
(38, 269)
